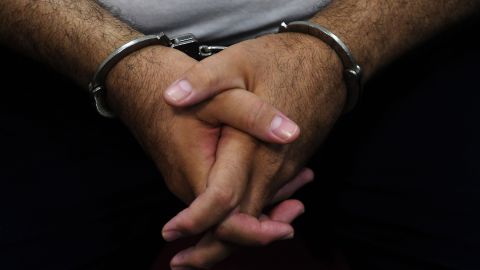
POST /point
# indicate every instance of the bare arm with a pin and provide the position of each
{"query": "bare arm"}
(73, 36)
(379, 31)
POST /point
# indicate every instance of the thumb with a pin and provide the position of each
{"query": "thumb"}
(206, 79)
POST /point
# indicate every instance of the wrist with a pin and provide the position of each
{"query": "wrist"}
(323, 63)
(129, 80)
(135, 85)
(353, 25)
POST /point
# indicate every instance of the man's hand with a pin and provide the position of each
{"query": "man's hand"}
(185, 143)
(293, 72)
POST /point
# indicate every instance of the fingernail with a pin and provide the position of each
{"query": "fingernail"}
(283, 127)
(179, 90)
(170, 236)
(289, 236)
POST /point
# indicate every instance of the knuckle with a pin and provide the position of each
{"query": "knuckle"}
(207, 77)
(253, 119)
(189, 226)
(225, 197)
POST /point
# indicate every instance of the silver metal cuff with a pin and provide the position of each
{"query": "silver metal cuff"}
(97, 85)
(186, 43)
(352, 71)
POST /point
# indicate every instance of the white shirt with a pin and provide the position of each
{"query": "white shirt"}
(211, 20)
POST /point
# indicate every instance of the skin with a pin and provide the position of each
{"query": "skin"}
(81, 34)
(270, 67)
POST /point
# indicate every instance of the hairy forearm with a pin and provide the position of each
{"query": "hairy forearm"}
(73, 36)
(378, 31)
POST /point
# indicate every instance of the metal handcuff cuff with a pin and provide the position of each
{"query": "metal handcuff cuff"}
(352, 72)
(189, 44)
(186, 43)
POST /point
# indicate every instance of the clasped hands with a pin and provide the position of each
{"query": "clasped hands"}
(232, 134)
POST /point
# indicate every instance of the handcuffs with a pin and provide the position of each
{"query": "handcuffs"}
(189, 44)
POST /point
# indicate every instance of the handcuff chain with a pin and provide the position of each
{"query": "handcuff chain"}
(206, 51)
